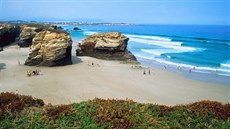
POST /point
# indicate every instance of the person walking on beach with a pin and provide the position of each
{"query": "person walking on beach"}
(216, 70)
(149, 72)
(144, 72)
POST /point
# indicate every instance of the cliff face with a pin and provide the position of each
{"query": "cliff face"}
(8, 33)
(50, 48)
(109, 45)
(28, 32)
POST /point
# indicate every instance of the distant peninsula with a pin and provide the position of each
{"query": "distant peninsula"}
(76, 23)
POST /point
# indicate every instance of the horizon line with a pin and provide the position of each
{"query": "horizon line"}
(31, 21)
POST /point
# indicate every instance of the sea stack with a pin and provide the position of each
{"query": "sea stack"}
(50, 48)
(8, 33)
(28, 32)
(107, 45)
(76, 28)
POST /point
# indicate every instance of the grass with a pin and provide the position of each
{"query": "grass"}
(19, 111)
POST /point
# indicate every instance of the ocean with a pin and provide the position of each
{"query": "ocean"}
(195, 51)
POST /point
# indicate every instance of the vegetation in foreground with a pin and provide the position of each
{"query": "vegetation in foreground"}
(19, 111)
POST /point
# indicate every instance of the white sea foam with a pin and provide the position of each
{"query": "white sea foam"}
(219, 71)
(169, 56)
(155, 42)
(89, 32)
(158, 52)
(166, 44)
(226, 64)
(144, 57)
(153, 51)
(173, 64)
(165, 62)
(200, 69)
(148, 37)
(197, 68)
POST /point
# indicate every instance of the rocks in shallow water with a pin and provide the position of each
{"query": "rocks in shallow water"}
(59, 28)
(55, 27)
(108, 45)
(28, 31)
(8, 33)
(76, 28)
(50, 48)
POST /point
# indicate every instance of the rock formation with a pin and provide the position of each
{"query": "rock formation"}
(76, 28)
(55, 27)
(8, 33)
(109, 45)
(50, 48)
(59, 28)
(28, 31)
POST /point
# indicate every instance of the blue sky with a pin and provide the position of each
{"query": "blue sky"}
(216, 12)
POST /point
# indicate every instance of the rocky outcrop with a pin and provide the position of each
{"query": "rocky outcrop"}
(50, 48)
(55, 27)
(59, 28)
(28, 31)
(109, 45)
(8, 33)
(76, 28)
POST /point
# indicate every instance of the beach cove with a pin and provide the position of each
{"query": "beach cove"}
(115, 64)
(105, 79)
(202, 50)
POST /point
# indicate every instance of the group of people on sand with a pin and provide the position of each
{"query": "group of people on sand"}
(136, 66)
(192, 69)
(33, 72)
(149, 72)
(180, 68)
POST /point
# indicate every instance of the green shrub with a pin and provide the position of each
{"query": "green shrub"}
(25, 112)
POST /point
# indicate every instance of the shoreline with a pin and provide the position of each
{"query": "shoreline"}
(193, 74)
(106, 79)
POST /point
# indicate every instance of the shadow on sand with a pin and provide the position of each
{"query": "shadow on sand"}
(2, 66)
(76, 60)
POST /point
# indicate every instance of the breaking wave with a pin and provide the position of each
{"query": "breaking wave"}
(201, 69)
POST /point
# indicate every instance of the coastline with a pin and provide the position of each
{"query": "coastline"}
(193, 74)
(106, 79)
(167, 45)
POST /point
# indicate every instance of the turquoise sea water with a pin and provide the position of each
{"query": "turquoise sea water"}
(203, 49)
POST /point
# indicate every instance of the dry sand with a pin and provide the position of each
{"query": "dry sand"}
(106, 79)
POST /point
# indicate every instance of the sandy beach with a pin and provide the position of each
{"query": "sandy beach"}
(105, 79)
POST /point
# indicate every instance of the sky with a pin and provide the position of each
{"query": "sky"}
(204, 12)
